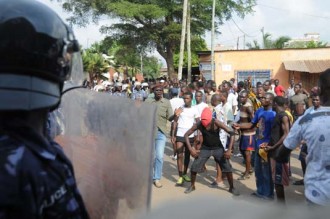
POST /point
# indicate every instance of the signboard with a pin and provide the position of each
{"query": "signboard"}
(226, 67)
(205, 67)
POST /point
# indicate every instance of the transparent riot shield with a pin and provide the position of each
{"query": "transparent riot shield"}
(109, 141)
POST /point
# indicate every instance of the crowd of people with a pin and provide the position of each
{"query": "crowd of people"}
(37, 179)
(207, 119)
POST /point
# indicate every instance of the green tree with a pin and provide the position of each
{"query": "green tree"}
(255, 45)
(308, 44)
(314, 44)
(268, 43)
(280, 42)
(154, 23)
(197, 44)
(128, 57)
(94, 62)
(266, 40)
(151, 67)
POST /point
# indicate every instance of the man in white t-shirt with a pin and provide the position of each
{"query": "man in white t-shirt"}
(200, 106)
(231, 99)
(222, 113)
(188, 116)
(314, 128)
(176, 103)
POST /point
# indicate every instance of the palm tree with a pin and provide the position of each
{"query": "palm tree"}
(94, 64)
(254, 46)
(267, 42)
(280, 42)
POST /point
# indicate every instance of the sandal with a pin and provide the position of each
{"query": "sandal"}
(190, 189)
(214, 184)
(244, 177)
(298, 183)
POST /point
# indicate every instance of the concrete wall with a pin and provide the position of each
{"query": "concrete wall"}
(228, 62)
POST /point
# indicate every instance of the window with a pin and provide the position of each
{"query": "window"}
(256, 75)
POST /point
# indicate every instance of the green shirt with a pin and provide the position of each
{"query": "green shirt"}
(164, 112)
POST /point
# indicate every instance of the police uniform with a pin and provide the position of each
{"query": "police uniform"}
(314, 128)
(38, 53)
(36, 178)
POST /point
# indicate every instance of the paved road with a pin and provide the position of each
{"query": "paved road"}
(169, 192)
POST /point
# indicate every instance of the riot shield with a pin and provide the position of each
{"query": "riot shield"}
(109, 141)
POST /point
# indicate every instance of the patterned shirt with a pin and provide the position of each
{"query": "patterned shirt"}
(264, 119)
(316, 132)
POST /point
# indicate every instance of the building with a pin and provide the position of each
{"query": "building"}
(302, 42)
(303, 65)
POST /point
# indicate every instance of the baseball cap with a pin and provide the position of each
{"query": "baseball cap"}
(206, 116)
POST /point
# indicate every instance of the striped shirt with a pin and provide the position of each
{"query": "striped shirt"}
(245, 118)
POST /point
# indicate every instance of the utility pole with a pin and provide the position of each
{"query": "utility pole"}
(141, 63)
(212, 41)
(244, 42)
(237, 43)
(188, 42)
(263, 37)
(183, 35)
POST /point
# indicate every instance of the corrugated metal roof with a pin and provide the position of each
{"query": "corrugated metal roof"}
(311, 66)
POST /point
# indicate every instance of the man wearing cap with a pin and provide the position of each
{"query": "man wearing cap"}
(164, 113)
(211, 146)
(145, 87)
(119, 90)
(138, 93)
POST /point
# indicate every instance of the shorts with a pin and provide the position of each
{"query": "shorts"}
(198, 164)
(280, 172)
(247, 143)
(183, 140)
(225, 165)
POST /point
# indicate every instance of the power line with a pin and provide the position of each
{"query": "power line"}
(283, 9)
(242, 30)
(230, 30)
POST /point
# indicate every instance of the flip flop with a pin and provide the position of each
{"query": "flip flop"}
(244, 177)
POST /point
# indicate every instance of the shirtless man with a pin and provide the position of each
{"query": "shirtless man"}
(247, 142)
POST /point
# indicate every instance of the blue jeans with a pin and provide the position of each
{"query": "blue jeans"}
(264, 182)
(159, 154)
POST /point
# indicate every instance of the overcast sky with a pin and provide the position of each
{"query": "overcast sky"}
(291, 18)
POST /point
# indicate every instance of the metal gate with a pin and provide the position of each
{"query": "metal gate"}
(256, 75)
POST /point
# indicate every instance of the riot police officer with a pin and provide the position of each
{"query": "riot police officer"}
(313, 129)
(36, 57)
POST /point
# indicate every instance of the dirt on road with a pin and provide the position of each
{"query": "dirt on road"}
(169, 193)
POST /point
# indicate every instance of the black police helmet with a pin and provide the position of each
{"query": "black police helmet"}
(36, 55)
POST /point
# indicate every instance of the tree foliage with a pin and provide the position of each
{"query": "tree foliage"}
(123, 57)
(308, 44)
(197, 44)
(94, 63)
(268, 43)
(154, 24)
(254, 45)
